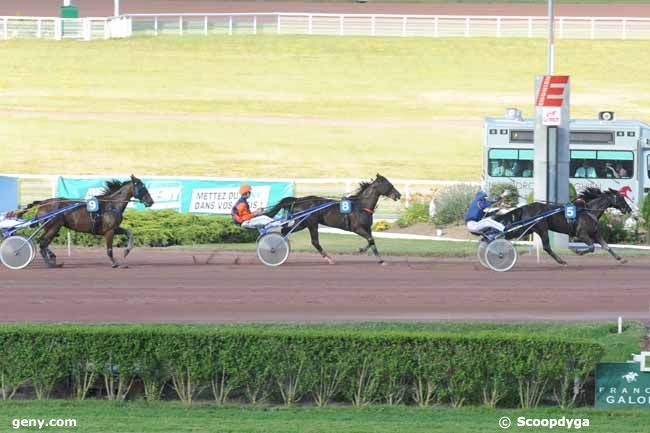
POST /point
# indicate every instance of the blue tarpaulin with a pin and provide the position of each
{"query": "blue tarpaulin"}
(8, 193)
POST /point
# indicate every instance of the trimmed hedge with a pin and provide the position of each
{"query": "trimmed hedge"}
(277, 366)
(165, 228)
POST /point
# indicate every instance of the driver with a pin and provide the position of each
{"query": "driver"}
(474, 216)
(242, 214)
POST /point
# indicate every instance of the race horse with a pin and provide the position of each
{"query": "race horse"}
(112, 202)
(359, 220)
(590, 205)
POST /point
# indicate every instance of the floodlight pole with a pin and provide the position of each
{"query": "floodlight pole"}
(551, 37)
(116, 8)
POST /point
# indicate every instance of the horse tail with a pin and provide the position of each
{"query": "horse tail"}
(283, 204)
(29, 207)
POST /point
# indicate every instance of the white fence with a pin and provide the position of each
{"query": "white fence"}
(64, 28)
(38, 187)
(443, 26)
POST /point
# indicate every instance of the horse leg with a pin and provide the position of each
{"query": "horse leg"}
(590, 246)
(601, 241)
(313, 232)
(44, 242)
(127, 232)
(371, 243)
(109, 247)
(546, 243)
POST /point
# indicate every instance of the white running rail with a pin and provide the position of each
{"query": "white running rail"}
(438, 26)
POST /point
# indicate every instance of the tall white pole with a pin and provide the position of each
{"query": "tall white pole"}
(551, 37)
(116, 9)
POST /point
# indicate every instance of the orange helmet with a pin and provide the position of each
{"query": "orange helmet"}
(244, 189)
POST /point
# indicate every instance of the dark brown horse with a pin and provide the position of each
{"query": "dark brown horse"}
(591, 205)
(114, 199)
(359, 220)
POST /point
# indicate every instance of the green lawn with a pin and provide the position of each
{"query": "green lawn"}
(287, 106)
(140, 417)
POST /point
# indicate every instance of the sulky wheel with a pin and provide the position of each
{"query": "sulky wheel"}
(480, 252)
(500, 255)
(16, 252)
(273, 249)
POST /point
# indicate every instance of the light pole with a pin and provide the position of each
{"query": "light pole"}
(551, 36)
(116, 8)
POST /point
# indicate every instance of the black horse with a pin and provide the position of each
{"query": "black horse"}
(590, 204)
(358, 221)
(113, 200)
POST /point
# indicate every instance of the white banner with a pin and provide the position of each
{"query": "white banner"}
(221, 200)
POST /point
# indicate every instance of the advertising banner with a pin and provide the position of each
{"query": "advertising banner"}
(8, 193)
(186, 195)
(622, 384)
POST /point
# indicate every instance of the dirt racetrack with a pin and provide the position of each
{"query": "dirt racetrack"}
(102, 8)
(178, 286)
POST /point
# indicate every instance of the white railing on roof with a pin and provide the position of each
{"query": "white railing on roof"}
(443, 26)
(390, 25)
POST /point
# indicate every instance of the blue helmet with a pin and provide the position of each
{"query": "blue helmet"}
(481, 195)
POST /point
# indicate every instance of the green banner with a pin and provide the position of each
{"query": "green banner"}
(622, 384)
(185, 195)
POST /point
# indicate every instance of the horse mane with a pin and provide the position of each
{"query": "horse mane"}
(590, 193)
(362, 187)
(113, 185)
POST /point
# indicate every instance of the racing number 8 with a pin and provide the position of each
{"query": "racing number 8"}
(345, 206)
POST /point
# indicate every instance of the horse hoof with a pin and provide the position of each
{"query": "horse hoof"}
(330, 260)
(623, 261)
(383, 263)
(55, 265)
(125, 266)
(115, 265)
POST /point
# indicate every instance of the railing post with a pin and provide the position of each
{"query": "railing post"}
(58, 29)
(5, 28)
(624, 29)
(530, 27)
(407, 195)
(38, 28)
(180, 25)
(403, 26)
(373, 24)
(254, 24)
(279, 25)
(435, 27)
(230, 25)
(561, 32)
(498, 27)
(155, 26)
(310, 24)
(87, 25)
(341, 25)
(593, 28)
(205, 26)
(467, 27)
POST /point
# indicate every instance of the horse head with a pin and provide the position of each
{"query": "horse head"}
(618, 200)
(385, 188)
(140, 191)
